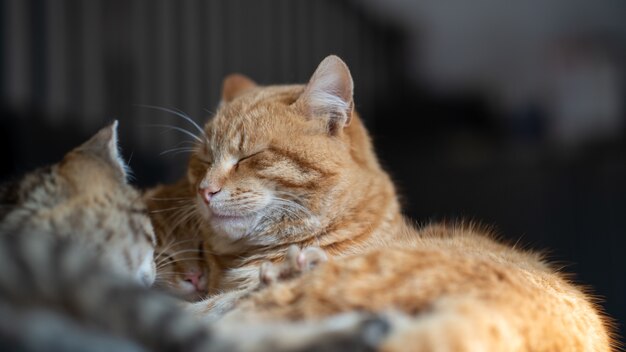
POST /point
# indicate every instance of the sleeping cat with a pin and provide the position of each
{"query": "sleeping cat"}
(285, 165)
(179, 253)
(76, 256)
(280, 166)
(269, 174)
(76, 250)
(85, 199)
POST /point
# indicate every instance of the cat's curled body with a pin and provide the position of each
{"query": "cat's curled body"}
(285, 165)
(444, 288)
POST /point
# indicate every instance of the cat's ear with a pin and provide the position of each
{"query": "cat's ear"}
(235, 84)
(104, 146)
(329, 94)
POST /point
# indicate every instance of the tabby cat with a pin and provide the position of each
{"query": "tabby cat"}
(85, 199)
(76, 248)
(280, 166)
(75, 243)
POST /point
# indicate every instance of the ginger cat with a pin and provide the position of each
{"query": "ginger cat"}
(268, 173)
(284, 165)
(293, 165)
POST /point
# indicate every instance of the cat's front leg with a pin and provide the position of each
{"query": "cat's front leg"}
(297, 261)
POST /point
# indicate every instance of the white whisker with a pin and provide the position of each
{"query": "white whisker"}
(177, 113)
(180, 198)
(162, 265)
(179, 129)
(170, 244)
(167, 209)
(175, 151)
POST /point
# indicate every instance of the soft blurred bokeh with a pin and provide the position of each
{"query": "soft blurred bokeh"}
(511, 113)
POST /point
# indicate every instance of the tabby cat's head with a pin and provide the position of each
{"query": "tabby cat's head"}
(85, 198)
(274, 159)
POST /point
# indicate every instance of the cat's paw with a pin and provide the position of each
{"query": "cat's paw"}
(297, 261)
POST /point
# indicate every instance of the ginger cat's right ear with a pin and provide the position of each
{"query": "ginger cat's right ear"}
(329, 94)
(235, 84)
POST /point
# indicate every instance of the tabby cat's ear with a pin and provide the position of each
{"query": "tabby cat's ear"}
(235, 84)
(104, 146)
(329, 94)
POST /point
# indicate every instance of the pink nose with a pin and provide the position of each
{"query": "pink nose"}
(208, 193)
(193, 277)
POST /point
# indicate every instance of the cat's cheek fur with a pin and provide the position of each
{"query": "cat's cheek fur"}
(239, 224)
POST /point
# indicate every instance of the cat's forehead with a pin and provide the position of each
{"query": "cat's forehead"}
(251, 120)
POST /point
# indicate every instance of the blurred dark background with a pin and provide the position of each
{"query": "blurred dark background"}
(509, 113)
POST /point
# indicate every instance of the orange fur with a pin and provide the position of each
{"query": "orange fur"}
(179, 248)
(444, 288)
(275, 142)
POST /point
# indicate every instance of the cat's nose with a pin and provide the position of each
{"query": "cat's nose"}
(193, 277)
(208, 193)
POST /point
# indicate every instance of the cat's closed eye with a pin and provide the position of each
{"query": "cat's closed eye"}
(249, 156)
(205, 160)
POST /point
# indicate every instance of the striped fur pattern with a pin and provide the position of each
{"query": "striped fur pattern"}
(444, 288)
(85, 198)
(283, 166)
(76, 255)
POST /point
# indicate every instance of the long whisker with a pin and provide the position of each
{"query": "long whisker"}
(289, 212)
(175, 151)
(171, 272)
(175, 112)
(167, 209)
(293, 206)
(170, 244)
(164, 251)
(195, 250)
(177, 261)
(191, 213)
(160, 264)
(179, 129)
(179, 198)
(188, 214)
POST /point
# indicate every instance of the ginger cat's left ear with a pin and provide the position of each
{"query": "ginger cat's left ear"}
(235, 84)
(329, 94)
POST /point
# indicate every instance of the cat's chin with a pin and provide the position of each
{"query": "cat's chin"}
(231, 227)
